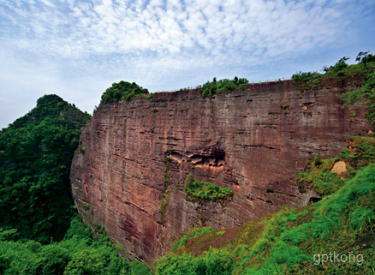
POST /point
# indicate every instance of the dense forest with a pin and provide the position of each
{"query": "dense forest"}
(40, 230)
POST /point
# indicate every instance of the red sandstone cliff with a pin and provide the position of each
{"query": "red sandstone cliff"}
(253, 141)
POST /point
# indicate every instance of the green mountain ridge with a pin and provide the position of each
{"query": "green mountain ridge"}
(40, 231)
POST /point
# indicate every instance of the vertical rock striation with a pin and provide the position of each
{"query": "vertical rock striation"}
(130, 178)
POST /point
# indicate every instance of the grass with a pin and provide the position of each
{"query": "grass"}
(193, 233)
(317, 176)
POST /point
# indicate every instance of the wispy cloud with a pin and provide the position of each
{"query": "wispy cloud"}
(165, 44)
(75, 29)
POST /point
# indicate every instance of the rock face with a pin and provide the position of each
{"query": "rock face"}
(130, 178)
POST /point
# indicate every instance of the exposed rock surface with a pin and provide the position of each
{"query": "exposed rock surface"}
(253, 141)
(339, 168)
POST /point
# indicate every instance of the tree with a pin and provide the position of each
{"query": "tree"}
(340, 65)
(365, 57)
(35, 155)
(361, 57)
(189, 180)
(122, 91)
(317, 160)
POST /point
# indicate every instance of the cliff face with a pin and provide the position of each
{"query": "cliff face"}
(253, 141)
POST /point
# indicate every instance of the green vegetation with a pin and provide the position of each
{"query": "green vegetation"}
(35, 204)
(338, 75)
(319, 178)
(288, 242)
(317, 160)
(193, 233)
(82, 149)
(363, 153)
(149, 96)
(206, 190)
(86, 206)
(79, 252)
(364, 96)
(222, 86)
(35, 156)
(211, 262)
(122, 91)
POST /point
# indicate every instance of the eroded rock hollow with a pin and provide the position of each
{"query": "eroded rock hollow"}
(129, 172)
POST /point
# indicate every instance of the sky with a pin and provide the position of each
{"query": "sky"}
(78, 48)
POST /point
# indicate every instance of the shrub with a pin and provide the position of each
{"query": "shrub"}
(300, 76)
(82, 149)
(222, 86)
(317, 160)
(337, 75)
(86, 206)
(122, 91)
(206, 190)
(189, 181)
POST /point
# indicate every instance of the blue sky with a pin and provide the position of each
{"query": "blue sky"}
(78, 48)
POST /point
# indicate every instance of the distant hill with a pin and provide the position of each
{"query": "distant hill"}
(35, 156)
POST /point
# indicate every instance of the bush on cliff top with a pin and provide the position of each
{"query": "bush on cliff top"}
(122, 91)
(222, 86)
(339, 74)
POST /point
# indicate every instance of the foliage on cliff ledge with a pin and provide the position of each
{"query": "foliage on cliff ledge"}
(206, 190)
(35, 157)
(294, 241)
(122, 91)
(222, 86)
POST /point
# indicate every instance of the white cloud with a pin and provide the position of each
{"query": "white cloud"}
(160, 43)
(123, 27)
